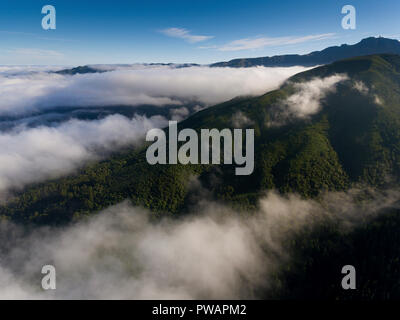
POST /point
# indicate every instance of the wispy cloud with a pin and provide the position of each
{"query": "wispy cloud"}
(184, 34)
(37, 53)
(34, 35)
(261, 42)
(222, 254)
(395, 36)
(35, 154)
(307, 99)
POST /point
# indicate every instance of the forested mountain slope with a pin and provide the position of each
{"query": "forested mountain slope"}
(349, 132)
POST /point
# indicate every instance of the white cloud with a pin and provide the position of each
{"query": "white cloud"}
(11, 70)
(178, 114)
(240, 120)
(261, 42)
(378, 100)
(306, 100)
(30, 35)
(361, 87)
(158, 86)
(30, 155)
(184, 34)
(215, 253)
(36, 154)
(35, 53)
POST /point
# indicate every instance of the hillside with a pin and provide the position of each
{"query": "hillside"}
(78, 70)
(366, 46)
(354, 138)
(112, 67)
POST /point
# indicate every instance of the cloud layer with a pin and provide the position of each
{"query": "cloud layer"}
(52, 147)
(34, 154)
(213, 254)
(55, 148)
(162, 85)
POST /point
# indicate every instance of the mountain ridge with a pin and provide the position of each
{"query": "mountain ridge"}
(367, 46)
(354, 138)
(97, 68)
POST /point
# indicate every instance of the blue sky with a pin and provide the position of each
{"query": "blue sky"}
(204, 31)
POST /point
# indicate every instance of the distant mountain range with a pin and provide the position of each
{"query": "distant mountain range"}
(98, 68)
(79, 70)
(366, 46)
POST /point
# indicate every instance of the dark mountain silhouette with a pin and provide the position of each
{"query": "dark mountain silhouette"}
(95, 69)
(366, 46)
(79, 70)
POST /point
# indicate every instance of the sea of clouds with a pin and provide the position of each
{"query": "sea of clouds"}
(30, 155)
(50, 149)
(214, 252)
(24, 92)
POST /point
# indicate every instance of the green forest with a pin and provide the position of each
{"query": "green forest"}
(354, 140)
